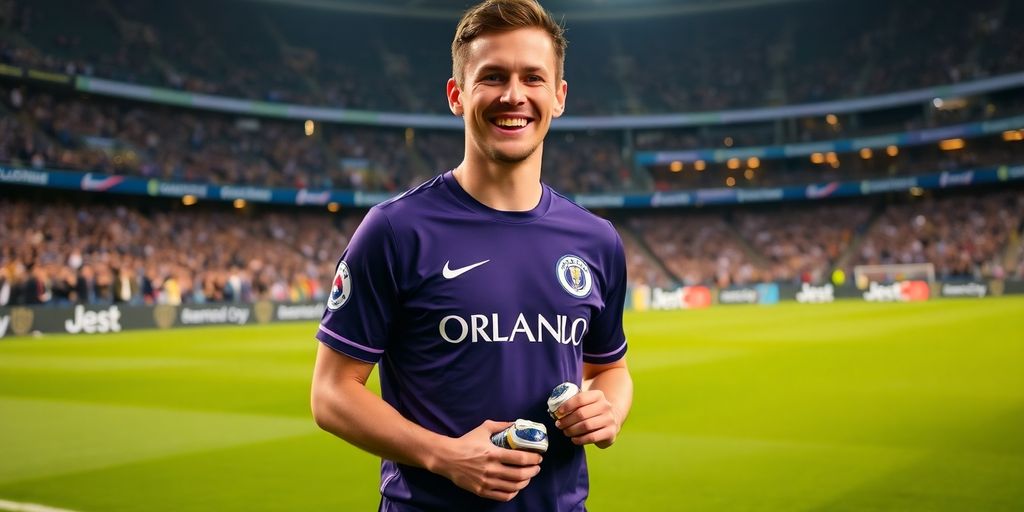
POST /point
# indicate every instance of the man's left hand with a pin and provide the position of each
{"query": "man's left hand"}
(590, 419)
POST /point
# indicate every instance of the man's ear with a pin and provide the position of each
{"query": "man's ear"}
(454, 97)
(563, 89)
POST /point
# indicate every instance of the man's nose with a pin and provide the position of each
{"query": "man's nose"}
(513, 94)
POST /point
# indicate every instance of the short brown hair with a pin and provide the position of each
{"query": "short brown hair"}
(502, 16)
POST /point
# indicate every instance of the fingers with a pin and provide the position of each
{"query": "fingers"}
(497, 489)
(602, 438)
(581, 399)
(590, 420)
(502, 482)
(511, 475)
(585, 419)
(497, 495)
(493, 427)
(489, 471)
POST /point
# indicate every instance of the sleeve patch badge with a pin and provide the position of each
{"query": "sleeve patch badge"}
(341, 289)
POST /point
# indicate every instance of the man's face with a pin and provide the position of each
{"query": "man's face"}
(509, 94)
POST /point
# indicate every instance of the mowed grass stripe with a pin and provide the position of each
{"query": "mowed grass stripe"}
(45, 438)
(309, 473)
(847, 320)
(678, 472)
(791, 407)
(250, 370)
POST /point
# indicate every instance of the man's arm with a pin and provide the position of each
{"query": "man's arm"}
(343, 406)
(596, 414)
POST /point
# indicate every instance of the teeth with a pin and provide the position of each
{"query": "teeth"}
(517, 122)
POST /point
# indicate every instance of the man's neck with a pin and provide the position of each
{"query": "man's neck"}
(513, 187)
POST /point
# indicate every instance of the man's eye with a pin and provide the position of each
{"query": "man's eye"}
(493, 77)
(534, 78)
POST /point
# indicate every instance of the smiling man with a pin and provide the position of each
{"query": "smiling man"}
(477, 293)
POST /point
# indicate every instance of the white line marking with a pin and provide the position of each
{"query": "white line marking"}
(14, 506)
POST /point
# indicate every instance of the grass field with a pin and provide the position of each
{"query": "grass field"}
(846, 406)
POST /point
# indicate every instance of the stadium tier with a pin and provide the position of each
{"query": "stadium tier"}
(705, 61)
(889, 144)
(77, 251)
(820, 202)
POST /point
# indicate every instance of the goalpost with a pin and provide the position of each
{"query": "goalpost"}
(890, 273)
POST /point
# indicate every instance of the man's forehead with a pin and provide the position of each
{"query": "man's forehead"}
(525, 48)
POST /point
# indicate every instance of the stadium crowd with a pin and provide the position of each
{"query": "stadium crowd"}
(822, 51)
(697, 248)
(100, 254)
(963, 236)
(53, 130)
(801, 244)
(93, 134)
(65, 252)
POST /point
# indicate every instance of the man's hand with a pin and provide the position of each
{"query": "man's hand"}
(475, 464)
(590, 418)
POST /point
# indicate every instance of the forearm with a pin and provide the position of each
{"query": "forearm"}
(343, 406)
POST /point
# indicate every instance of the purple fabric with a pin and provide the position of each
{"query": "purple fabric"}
(490, 340)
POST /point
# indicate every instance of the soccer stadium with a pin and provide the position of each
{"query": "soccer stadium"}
(821, 204)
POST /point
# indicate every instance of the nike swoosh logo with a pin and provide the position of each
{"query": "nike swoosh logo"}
(450, 273)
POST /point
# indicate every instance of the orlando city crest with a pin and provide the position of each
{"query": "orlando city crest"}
(574, 275)
(341, 288)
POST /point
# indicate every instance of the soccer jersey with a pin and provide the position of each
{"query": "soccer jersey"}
(473, 314)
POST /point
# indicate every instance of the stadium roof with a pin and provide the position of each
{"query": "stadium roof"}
(577, 10)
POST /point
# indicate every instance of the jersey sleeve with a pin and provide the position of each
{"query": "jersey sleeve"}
(605, 341)
(364, 292)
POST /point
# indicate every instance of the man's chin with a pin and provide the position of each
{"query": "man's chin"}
(511, 156)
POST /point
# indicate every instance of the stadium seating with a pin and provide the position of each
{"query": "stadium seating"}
(79, 250)
(964, 237)
(707, 61)
(95, 253)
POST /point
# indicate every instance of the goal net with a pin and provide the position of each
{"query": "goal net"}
(890, 273)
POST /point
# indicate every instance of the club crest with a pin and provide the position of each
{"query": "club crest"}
(341, 289)
(574, 275)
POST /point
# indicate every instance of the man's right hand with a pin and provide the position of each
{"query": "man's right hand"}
(475, 464)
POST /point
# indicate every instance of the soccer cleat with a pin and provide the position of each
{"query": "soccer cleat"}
(524, 435)
(559, 395)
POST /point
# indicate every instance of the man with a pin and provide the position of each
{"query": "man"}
(477, 293)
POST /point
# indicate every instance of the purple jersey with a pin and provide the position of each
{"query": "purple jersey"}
(477, 314)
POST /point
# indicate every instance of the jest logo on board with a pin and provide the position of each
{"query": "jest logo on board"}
(687, 297)
(815, 294)
(103, 321)
(903, 291)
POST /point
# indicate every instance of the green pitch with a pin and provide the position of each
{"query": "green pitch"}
(846, 406)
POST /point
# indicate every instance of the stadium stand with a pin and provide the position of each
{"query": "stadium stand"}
(89, 252)
(698, 249)
(707, 61)
(802, 244)
(964, 237)
(85, 250)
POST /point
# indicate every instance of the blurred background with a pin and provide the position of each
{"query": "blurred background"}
(821, 201)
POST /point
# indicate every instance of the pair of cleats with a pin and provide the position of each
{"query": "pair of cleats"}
(529, 435)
